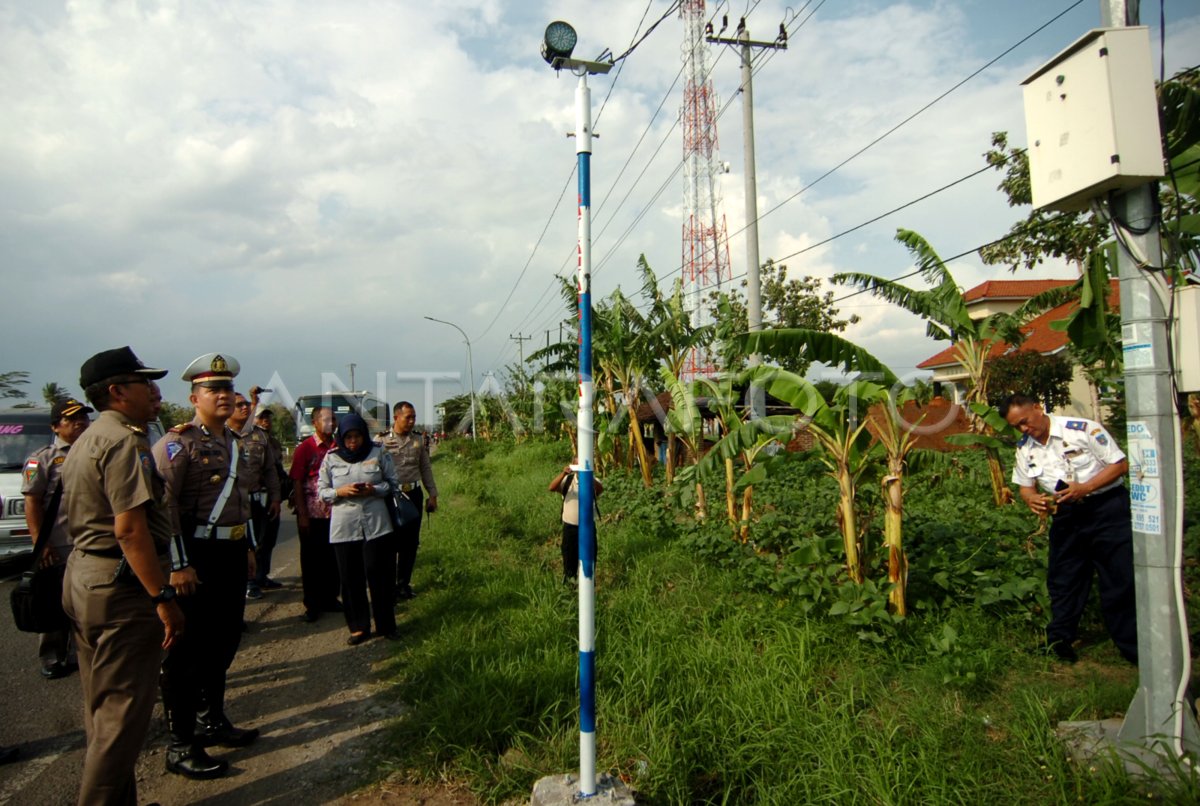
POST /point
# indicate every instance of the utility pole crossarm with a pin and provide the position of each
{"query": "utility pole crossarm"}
(724, 40)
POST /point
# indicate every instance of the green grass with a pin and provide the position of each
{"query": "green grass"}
(710, 689)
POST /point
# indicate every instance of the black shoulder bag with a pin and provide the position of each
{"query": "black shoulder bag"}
(37, 598)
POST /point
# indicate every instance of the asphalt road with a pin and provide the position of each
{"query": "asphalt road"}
(44, 717)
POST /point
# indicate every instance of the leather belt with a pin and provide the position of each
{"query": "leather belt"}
(221, 532)
(409, 487)
(108, 554)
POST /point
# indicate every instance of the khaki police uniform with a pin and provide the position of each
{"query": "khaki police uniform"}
(42, 477)
(1092, 535)
(195, 465)
(108, 471)
(263, 478)
(413, 469)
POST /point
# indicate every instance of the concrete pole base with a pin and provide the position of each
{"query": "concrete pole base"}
(563, 790)
(1093, 743)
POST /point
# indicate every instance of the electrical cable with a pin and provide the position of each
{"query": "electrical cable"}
(914, 115)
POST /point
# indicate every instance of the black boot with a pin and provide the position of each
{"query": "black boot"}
(185, 754)
(217, 729)
(213, 727)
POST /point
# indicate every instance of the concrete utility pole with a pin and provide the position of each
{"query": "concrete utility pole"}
(352, 366)
(1160, 713)
(753, 284)
(520, 340)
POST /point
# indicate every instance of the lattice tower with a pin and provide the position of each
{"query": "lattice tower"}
(705, 238)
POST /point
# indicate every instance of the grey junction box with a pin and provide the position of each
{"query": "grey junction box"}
(1091, 119)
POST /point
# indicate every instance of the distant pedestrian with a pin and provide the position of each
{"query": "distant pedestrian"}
(355, 479)
(266, 544)
(116, 590)
(566, 484)
(413, 469)
(261, 476)
(43, 491)
(318, 565)
(1080, 472)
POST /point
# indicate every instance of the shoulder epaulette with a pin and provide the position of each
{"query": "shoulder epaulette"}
(179, 429)
(1077, 425)
(137, 429)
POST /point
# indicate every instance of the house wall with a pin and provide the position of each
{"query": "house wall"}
(986, 306)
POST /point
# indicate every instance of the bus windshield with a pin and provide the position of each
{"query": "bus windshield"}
(368, 406)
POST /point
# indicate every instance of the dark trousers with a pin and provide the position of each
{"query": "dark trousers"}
(194, 670)
(1093, 535)
(407, 541)
(363, 565)
(570, 549)
(318, 566)
(266, 532)
(120, 648)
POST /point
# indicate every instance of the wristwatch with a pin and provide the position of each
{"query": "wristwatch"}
(167, 594)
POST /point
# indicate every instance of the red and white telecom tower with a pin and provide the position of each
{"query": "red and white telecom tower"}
(705, 238)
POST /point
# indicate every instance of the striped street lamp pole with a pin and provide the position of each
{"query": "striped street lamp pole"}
(585, 470)
(557, 45)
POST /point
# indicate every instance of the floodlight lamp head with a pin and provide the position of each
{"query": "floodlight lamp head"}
(558, 42)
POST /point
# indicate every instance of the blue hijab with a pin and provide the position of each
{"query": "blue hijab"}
(348, 423)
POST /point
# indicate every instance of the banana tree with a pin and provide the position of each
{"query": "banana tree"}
(944, 309)
(898, 438)
(745, 439)
(685, 422)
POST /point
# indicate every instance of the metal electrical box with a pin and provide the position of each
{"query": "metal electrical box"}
(1187, 338)
(1091, 117)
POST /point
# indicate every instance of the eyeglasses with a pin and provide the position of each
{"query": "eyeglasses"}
(241, 404)
(128, 381)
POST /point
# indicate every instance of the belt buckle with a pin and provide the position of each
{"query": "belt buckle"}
(237, 532)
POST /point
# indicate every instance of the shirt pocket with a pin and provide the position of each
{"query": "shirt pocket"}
(339, 473)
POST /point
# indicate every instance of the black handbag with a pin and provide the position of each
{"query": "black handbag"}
(37, 599)
(402, 509)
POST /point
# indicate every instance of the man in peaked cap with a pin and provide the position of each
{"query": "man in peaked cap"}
(42, 487)
(204, 466)
(116, 590)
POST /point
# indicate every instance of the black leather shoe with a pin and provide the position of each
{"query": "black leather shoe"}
(270, 585)
(310, 616)
(56, 670)
(193, 762)
(334, 607)
(224, 734)
(404, 593)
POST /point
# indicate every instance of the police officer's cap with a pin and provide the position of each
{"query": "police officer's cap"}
(213, 370)
(115, 363)
(68, 408)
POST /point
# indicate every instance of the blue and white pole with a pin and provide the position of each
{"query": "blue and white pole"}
(585, 469)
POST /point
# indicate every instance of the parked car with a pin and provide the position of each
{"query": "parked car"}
(23, 431)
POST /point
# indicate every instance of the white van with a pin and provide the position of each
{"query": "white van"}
(23, 431)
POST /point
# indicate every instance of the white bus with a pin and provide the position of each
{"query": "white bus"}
(368, 406)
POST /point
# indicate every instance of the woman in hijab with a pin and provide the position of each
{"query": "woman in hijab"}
(355, 479)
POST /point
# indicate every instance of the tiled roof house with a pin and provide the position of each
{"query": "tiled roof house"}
(1006, 296)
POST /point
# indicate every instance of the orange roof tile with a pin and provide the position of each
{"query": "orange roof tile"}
(1011, 289)
(1039, 336)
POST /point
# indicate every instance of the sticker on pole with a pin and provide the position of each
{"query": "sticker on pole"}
(1145, 489)
(1136, 346)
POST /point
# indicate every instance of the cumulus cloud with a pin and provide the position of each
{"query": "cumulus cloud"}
(299, 183)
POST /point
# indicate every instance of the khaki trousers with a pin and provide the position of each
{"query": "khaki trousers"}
(119, 639)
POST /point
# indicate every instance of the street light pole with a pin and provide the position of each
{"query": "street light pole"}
(557, 46)
(470, 367)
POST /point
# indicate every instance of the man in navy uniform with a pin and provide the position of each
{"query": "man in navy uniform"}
(205, 469)
(1072, 469)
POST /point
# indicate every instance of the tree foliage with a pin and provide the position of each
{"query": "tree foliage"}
(1045, 377)
(53, 393)
(11, 383)
(790, 304)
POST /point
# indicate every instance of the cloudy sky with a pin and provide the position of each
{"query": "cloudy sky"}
(298, 184)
